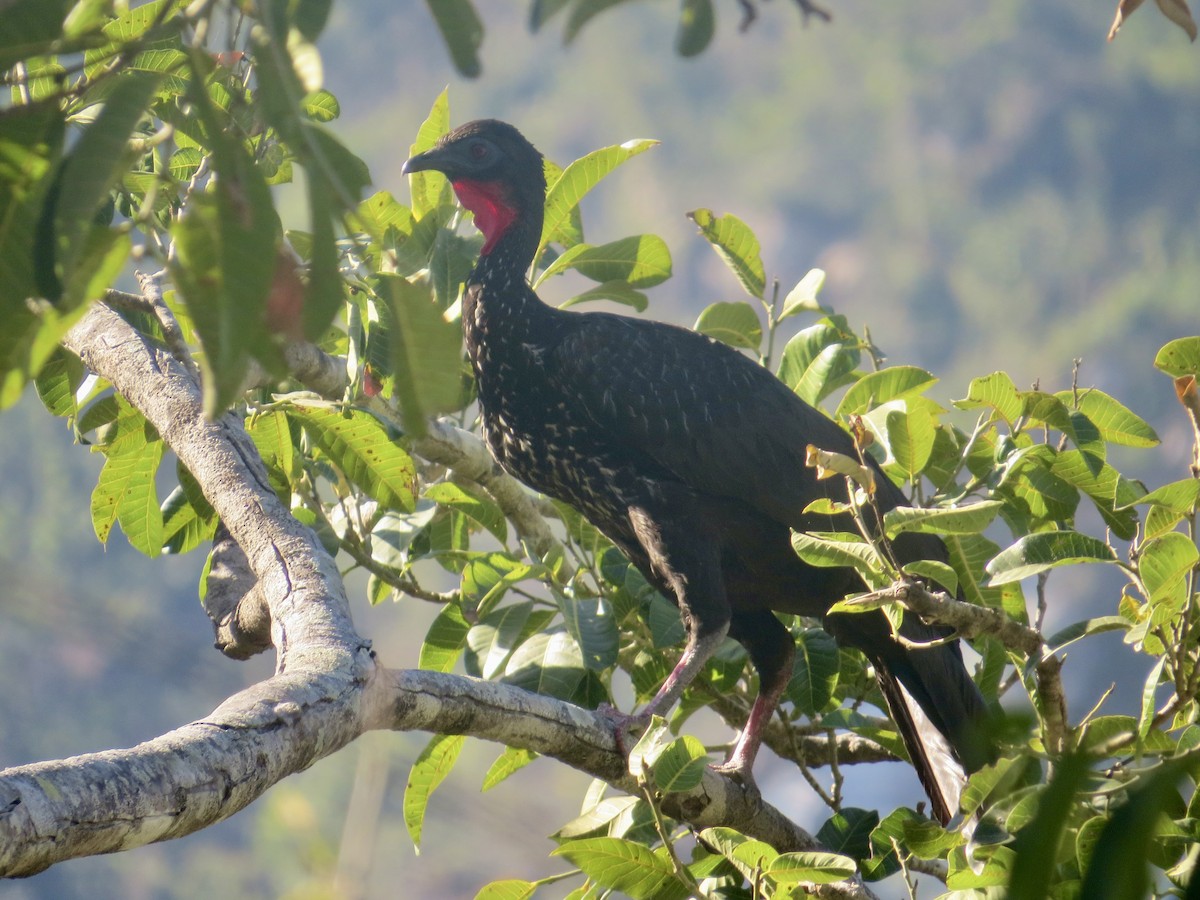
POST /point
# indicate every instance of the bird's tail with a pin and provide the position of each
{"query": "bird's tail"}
(938, 710)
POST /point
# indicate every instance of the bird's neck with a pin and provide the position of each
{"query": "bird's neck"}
(499, 307)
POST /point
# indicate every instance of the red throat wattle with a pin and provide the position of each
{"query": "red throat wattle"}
(490, 203)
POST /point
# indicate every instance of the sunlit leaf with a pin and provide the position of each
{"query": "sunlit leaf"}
(958, 520)
(736, 324)
(581, 176)
(360, 446)
(877, 388)
(1179, 357)
(737, 245)
(996, 391)
(431, 767)
(681, 765)
(624, 866)
(803, 297)
(445, 639)
(548, 663)
(1045, 550)
(513, 759)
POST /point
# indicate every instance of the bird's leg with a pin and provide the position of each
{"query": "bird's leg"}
(683, 562)
(771, 650)
(698, 650)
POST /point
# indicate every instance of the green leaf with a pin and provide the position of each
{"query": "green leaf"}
(596, 817)
(737, 245)
(1116, 423)
(513, 759)
(1045, 550)
(445, 640)
(1118, 869)
(1178, 496)
(431, 767)
(616, 291)
(125, 491)
(591, 623)
(971, 519)
(29, 28)
(581, 14)
(189, 521)
(1149, 691)
(462, 31)
(886, 837)
(1086, 628)
(31, 139)
(1037, 844)
(96, 162)
(1180, 357)
(736, 324)
(625, 866)
(939, 573)
(814, 671)
(969, 554)
(482, 510)
(696, 27)
(492, 641)
(321, 106)
(508, 889)
(849, 831)
(225, 263)
(548, 663)
(817, 361)
(1108, 489)
(57, 382)
(749, 856)
(323, 296)
(577, 179)
(832, 551)
(429, 189)
(640, 261)
(681, 765)
(910, 435)
(803, 297)
(360, 446)
(876, 388)
(814, 868)
(1164, 564)
(997, 392)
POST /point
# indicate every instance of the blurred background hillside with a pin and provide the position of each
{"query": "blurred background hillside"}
(988, 188)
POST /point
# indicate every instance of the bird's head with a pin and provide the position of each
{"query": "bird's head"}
(496, 174)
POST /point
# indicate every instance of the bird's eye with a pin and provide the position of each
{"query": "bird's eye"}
(479, 150)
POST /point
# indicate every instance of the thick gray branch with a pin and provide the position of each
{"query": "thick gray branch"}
(180, 782)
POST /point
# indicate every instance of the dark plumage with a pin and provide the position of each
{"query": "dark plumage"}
(690, 458)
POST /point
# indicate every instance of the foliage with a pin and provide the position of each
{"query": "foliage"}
(149, 132)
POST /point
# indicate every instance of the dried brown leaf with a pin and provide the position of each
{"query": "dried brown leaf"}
(1177, 11)
(1125, 9)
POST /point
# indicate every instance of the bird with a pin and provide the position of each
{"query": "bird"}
(690, 457)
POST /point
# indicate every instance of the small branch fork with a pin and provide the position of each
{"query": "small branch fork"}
(328, 688)
(969, 621)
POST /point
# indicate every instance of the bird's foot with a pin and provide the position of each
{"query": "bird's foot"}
(740, 774)
(626, 728)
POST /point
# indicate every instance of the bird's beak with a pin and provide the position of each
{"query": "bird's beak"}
(435, 159)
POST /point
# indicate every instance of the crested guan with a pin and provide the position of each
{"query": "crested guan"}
(690, 458)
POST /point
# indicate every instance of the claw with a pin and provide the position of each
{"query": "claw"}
(624, 725)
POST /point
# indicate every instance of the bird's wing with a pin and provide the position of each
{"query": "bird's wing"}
(709, 415)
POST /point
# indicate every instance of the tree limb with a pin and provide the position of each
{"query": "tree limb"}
(328, 688)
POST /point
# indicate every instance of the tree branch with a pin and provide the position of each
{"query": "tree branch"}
(327, 690)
